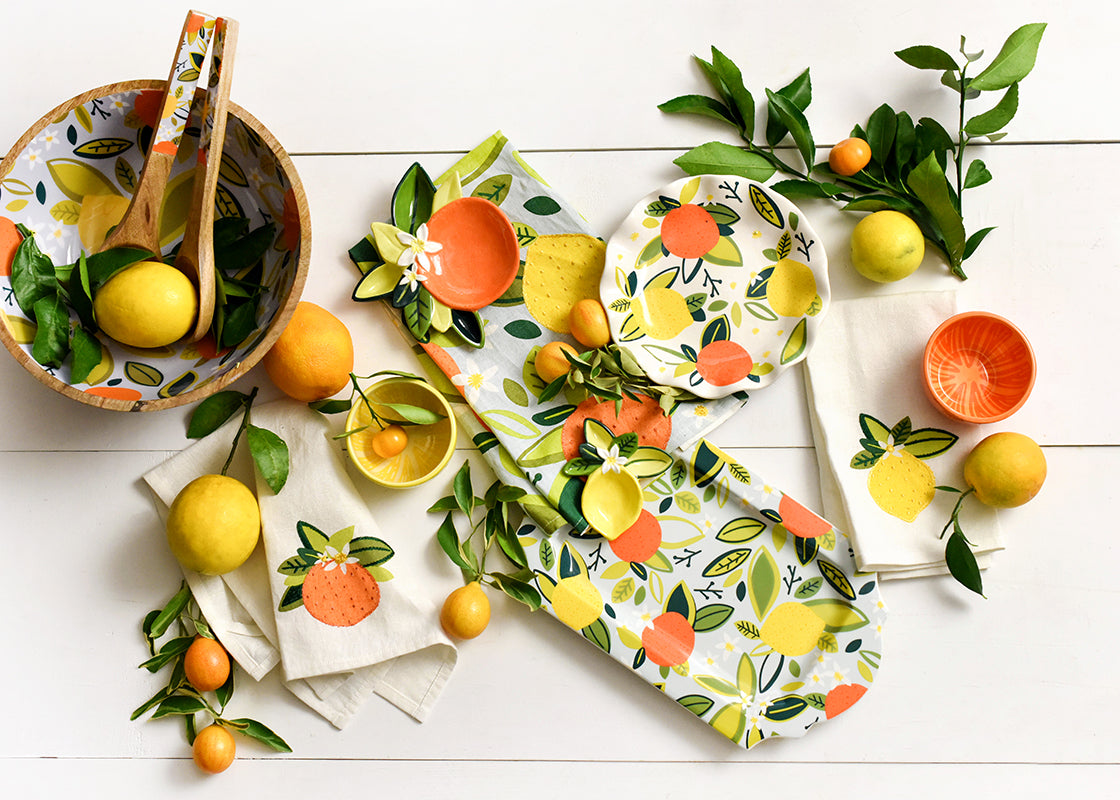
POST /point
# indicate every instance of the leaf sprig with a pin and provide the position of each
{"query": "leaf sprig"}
(910, 161)
(182, 617)
(269, 451)
(407, 414)
(959, 557)
(610, 373)
(499, 522)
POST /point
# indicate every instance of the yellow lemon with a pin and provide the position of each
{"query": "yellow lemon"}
(661, 313)
(791, 288)
(466, 612)
(149, 304)
(901, 485)
(887, 246)
(213, 524)
(576, 602)
(1005, 469)
(792, 629)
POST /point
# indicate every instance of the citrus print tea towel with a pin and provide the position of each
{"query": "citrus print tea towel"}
(882, 446)
(337, 603)
(487, 358)
(240, 606)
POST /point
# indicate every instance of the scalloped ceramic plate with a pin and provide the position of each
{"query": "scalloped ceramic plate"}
(716, 284)
(78, 164)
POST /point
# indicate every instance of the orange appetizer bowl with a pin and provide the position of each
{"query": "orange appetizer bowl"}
(978, 367)
(81, 160)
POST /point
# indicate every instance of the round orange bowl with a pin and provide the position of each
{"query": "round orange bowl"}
(83, 156)
(978, 367)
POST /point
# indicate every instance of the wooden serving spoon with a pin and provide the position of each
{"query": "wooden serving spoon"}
(196, 253)
(139, 227)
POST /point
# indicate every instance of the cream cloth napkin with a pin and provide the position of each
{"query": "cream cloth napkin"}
(407, 660)
(868, 361)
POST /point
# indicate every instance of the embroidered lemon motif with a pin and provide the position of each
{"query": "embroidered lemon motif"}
(900, 483)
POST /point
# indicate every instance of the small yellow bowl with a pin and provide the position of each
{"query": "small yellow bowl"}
(429, 447)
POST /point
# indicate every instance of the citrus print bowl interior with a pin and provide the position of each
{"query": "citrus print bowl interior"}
(715, 284)
(78, 165)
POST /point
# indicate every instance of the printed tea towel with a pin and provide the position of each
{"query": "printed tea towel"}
(882, 445)
(562, 262)
(304, 598)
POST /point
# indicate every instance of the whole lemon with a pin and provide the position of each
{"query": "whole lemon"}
(466, 612)
(550, 361)
(887, 246)
(1005, 469)
(588, 321)
(149, 304)
(214, 524)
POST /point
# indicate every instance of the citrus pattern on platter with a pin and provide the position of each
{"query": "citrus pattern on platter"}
(747, 609)
(77, 174)
(715, 284)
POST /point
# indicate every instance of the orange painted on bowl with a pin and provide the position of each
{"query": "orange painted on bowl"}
(978, 367)
(479, 256)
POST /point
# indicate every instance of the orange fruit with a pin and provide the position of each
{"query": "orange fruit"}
(206, 664)
(389, 441)
(640, 541)
(466, 611)
(689, 231)
(214, 749)
(314, 356)
(645, 419)
(588, 321)
(9, 242)
(550, 361)
(723, 363)
(849, 156)
(669, 640)
(341, 596)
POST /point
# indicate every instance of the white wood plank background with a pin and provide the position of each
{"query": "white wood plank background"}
(1008, 696)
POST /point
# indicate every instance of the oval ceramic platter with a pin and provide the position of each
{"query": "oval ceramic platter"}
(71, 177)
(716, 284)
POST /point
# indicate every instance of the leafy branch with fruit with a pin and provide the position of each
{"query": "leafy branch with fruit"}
(466, 611)
(916, 168)
(201, 682)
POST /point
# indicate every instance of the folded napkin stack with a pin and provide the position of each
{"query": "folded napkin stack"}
(881, 443)
(318, 595)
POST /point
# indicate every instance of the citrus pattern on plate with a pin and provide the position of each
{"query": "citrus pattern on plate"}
(715, 284)
(74, 180)
(730, 597)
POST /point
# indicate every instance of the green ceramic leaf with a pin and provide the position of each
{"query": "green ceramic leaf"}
(785, 708)
(598, 634)
(412, 199)
(725, 252)
(379, 282)
(765, 207)
(698, 704)
(836, 578)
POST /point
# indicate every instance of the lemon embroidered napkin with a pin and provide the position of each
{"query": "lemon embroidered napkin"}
(882, 446)
(333, 666)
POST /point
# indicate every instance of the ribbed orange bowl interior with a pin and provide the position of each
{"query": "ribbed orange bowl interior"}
(978, 367)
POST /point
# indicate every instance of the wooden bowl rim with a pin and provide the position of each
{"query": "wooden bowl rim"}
(278, 322)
